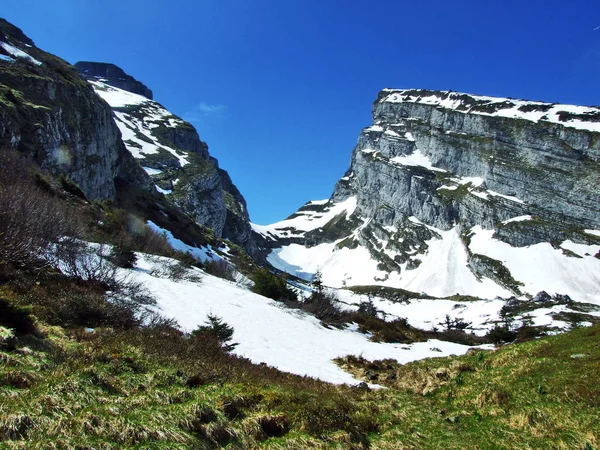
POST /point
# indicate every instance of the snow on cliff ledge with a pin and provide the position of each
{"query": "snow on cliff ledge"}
(580, 117)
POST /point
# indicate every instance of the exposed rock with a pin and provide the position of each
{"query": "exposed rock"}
(436, 161)
(50, 113)
(179, 163)
(115, 76)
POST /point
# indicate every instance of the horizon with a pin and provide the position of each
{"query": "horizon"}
(280, 92)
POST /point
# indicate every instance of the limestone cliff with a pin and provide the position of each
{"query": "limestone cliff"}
(171, 152)
(50, 113)
(433, 173)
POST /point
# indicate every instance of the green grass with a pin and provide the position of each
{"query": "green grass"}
(156, 388)
(540, 394)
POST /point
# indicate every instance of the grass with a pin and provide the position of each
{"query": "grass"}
(157, 389)
(154, 387)
(539, 394)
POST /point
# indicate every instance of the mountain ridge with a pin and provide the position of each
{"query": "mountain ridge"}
(437, 169)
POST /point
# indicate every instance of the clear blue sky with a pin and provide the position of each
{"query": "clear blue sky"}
(280, 89)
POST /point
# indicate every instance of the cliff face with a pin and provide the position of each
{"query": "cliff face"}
(50, 113)
(448, 158)
(437, 170)
(178, 162)
(113, 75)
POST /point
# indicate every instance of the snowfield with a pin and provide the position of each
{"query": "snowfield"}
(270, 333)
(444, 267)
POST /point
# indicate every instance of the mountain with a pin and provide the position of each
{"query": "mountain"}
(51, 114)
(455, 193)
(114, 75)
(172, 154)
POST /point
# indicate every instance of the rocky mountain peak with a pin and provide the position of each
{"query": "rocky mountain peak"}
(580, 117)
(113, 76)
(452, 193)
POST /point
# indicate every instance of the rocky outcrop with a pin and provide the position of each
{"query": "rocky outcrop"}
(50, 113)
(179, 163)
(436, 169)
(113, 75)
(448, 158)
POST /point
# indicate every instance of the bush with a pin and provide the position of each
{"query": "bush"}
(324, 307)
(501, 333)
(17, 318)
(216, 327)
(220, 268)
(123, 256)
(272, 286)
(31, 220)
(367, 308)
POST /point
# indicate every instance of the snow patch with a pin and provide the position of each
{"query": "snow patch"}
(267, 332)
(17, 53)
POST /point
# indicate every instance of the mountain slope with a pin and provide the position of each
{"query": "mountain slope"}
(172, 154)
(49, 113)
(453, 193)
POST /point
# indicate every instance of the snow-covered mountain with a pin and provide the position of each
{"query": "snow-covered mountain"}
(450, 193)
(172, 154)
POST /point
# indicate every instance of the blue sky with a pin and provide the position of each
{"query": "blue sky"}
(280, 89)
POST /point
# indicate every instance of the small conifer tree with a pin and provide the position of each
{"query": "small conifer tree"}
(216, 326)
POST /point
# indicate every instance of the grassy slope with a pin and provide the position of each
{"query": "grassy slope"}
(539, 394)
(147, 389)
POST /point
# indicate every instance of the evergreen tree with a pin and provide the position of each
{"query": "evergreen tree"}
(317, 282)
(216, 326)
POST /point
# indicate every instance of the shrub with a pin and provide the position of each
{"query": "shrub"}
(272, 286)
(216, 327)
(16, 318)
(367, 308)
(220, 268)
(501, 333)
(455, 324)
(123, 256)
(31, 220)
(324, 307)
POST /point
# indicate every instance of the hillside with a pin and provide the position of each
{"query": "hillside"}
(451, 193)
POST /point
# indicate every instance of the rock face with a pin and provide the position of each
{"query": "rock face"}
(171, 152)
(436, 169)
(50, 113)
(115, 76)
(481, 160)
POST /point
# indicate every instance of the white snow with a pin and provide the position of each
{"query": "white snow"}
(416, 158)
(543, 268)
(307, 220)
(474, 181)
(203, 253)
(518, 219)
(479, 194)
(116, 97)
(17, 53)
(508, 197)
(137, 133)
(6, 58)
(428, 313)
(594, 232)
(545, 112)
(151, 171)
(268, 332)
(162, 191)
(442, 272)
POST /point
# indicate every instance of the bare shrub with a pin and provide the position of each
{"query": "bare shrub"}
(323, 305)
(31, 220)
(220, 268)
